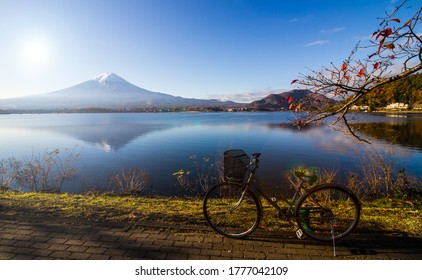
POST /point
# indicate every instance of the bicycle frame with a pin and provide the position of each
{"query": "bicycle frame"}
(251, 179)
(325, 203)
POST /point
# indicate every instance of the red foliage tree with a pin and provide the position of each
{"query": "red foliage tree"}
(395, 45)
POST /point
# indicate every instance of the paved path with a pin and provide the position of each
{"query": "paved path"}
(24, 238)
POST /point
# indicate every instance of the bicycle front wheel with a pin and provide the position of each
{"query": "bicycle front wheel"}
(327, 212)
(232, 211)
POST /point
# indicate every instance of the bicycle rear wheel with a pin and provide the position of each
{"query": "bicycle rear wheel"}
(230, 215)
(327, 211)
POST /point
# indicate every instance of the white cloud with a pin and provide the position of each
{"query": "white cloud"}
(317, 43)
(246, 97)
(398, 67)
(362, 37)
(239, 97)
(304, 19)
(332, 30)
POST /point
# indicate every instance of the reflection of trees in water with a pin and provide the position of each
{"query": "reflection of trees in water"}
(404, 133)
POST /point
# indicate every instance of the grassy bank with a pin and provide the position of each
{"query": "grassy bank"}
(390, 216)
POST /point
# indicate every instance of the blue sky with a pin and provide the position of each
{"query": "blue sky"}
(234, 49)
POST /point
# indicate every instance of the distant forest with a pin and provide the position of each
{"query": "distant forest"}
(407, 90)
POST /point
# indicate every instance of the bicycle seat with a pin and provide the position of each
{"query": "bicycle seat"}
(306, 176)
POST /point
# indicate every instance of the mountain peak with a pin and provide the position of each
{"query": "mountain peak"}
(108, 77)
(105, 91)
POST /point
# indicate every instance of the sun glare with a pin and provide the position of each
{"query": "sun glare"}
(35, 53)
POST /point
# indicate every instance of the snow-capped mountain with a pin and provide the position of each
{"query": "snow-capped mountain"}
(109, 79)
(107, 91)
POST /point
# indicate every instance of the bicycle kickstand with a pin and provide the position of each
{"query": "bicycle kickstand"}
(334, 241)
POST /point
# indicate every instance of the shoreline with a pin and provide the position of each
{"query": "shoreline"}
(181, 111)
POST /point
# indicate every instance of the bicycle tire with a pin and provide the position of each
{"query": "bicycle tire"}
(327, 211)
(231, 222)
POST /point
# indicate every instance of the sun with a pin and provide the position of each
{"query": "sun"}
(35, 52)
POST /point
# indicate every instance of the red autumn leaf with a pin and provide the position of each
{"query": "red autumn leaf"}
(376, 65)
(361, 72)
(392, 57)
(294, 81)
(344, 66)
(281, 100)
(289, 99)
(300, 122)
(345, 75)
(396, 20)
(384, 33)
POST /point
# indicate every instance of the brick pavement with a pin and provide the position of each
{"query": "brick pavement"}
(24, 238)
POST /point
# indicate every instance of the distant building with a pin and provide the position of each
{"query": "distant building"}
(363, 108)
(417, 106)
(397, 106)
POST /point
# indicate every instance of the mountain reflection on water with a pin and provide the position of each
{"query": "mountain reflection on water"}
(163, 143)
(108, 137)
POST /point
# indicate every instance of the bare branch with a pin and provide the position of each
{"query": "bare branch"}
(352, 132)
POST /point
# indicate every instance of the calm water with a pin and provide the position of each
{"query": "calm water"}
(163, 143)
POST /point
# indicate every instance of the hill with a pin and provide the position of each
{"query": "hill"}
(277, 102)
(407, 90)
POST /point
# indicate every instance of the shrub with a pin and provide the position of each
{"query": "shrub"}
(379, 178)
(8, 172)
(130, 181)
(407, 187)
(377, 169)
(47, 171)
(202, 178)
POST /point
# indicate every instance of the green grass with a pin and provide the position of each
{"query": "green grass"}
(392, 215)
(102, 207)
(387, 215)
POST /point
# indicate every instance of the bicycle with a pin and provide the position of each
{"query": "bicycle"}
(234, 209)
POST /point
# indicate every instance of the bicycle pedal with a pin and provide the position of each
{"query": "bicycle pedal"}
(299, 233)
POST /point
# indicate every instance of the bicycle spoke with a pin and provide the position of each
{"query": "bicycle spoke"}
(230, 215)
(327, 209)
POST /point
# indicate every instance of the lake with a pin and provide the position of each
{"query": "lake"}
(164, 143)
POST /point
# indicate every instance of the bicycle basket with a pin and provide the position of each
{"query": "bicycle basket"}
(235, 165)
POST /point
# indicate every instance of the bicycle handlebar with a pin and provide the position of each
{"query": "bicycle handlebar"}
(254, 160)
(256, 155)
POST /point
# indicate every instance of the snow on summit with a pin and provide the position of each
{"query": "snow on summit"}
(107, 78)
